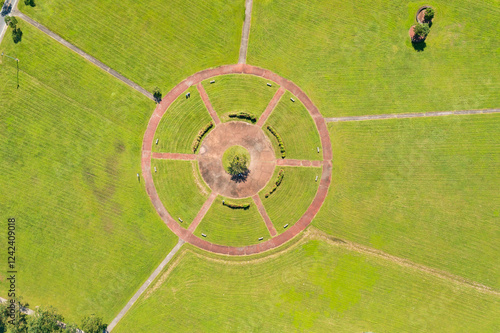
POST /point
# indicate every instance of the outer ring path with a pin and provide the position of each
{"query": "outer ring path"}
(276, 241)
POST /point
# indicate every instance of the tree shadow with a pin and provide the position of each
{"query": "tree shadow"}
(240, 177)
(419, 47)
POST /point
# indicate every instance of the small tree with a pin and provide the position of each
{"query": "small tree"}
(29, 3)
(11, 21)
(238, 165)
(429, 14)
(157, 94)
(93, 324)
(421, 30)
(17, 35)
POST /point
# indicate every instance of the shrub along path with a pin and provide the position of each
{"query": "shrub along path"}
(195, 80)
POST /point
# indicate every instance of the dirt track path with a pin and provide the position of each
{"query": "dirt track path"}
(412, 115)
(146, 284)
(242, 59)
(88, 57)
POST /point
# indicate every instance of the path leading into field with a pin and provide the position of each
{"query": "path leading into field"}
(146, 284)
(412, 115)
(242, 59)
(87, 56)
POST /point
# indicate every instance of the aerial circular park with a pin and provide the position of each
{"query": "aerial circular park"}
(236, 160)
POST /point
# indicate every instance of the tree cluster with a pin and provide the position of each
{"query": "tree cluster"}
(17, 34)
(14, 319)
(29, 3)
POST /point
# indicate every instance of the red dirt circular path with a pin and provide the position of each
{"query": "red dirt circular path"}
(187, 235)
(262, 159)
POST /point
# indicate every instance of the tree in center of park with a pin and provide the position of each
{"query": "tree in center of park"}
(238, 165)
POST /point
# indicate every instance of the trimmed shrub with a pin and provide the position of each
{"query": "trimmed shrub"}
(279, 179)
(280, 141)
(244, 115)
(236, 206)
(429, 14)
(201, 134)
(421, 30)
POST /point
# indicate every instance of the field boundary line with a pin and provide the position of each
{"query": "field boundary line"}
(316, 233)
(242, 59)
(297, 163)
(87, 56)
(265, 217)
(271, 106)
(410, 115)
(208, 105)
(146, 284)
(203, 211)
(175, 156)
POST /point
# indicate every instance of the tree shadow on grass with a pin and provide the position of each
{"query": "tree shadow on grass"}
(240, 177)
(419, 47)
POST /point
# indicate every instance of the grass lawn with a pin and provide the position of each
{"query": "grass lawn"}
(296, 190)
(180, 188)
(158, 44)
(181, 123)
(233, 227)
(355, 57)
(70, 148)
(297, 129)
(314, 287)
(239, 93)
(424, 189)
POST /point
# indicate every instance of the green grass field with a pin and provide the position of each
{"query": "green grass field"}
(158, 44)
(315, 287)
(70, 140)
(180, 188)
(423, 189)
(355, 58)
(233, 227)
(297, 129)
(181, 123)
(297, 190)
(230, 93)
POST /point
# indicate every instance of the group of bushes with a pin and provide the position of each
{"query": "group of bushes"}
(200, 136)
(280, 141)
(13, 318)
(244, 115)
(421, 30)
(281, 174)
(236, 206)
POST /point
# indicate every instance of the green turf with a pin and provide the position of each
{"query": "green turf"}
(70, 142)
(158, 44)
(315, 287)
(180, 188)
(233, 227)
(297, 129)
(355, 57)
(239, 93)
(181, 123)
(424, 189)
(296, 190)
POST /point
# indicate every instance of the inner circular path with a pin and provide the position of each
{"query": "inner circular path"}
(262, 159)
(262, 156)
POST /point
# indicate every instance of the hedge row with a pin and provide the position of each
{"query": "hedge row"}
(280, 141)
(200, 136)
(281, 174)
(236, 206)
(244, 115)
